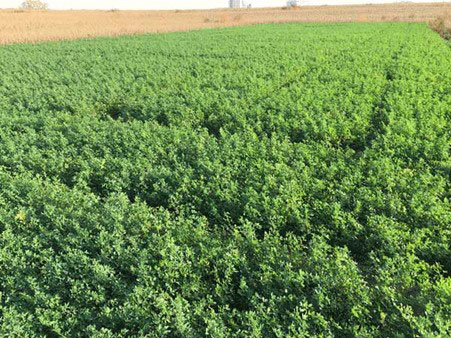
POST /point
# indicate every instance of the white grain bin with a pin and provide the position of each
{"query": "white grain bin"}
(235, 3)
(294, 3)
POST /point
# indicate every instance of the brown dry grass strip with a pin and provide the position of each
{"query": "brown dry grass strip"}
(18, 26)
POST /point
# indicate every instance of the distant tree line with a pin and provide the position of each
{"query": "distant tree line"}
(34, 4)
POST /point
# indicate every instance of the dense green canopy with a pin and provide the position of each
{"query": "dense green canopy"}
(265, 181)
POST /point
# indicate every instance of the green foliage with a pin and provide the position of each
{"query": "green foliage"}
(267, 181)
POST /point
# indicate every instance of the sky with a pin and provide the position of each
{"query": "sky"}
(181, 4)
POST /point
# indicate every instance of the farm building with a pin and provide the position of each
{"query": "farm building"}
(294, 3)
(235, 3)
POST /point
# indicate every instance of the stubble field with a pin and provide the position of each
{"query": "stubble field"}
(18, 26)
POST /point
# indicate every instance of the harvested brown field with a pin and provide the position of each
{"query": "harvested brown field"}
(19, 26)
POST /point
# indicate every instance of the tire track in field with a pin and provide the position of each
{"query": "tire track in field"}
(295, 75)
(379, 116)
(299, 73)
